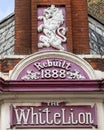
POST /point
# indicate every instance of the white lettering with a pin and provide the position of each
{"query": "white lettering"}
(68, 65)
(38, 66)
(32, 116)
(50, 116)
(47, 111)
(73, 120)
(45, 65)
(89, 119)
(53, 104)
(53, 63)
(42, 122)
(57, 118)
(63, 64)
(21, 114)
(49, 63)
(64, 117)
(81, 118)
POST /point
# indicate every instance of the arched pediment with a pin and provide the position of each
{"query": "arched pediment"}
(52, 65)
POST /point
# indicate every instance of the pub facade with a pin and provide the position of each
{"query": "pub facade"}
(52, 81)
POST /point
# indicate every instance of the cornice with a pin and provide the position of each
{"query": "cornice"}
(52, 86)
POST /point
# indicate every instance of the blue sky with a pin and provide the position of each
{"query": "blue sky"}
(6, 7)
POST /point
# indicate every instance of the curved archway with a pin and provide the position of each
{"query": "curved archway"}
(42, 65)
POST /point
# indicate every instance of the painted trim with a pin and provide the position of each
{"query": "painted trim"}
(52, 86)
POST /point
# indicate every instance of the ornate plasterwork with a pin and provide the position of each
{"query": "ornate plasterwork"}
(68, 62)
(53, 33)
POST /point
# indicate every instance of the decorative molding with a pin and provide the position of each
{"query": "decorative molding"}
(50, 86)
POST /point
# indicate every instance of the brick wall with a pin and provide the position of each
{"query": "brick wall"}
(22, 26)
(8, 64)
(80, 27)
(26, 25)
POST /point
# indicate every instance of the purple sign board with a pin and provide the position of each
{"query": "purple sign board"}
(53, 115)
(53, 68)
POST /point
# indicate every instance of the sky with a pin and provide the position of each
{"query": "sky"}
(6, 8)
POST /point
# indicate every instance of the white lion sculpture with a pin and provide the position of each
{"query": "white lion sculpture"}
(53, 32)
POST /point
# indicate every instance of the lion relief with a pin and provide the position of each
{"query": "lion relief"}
(53, 33)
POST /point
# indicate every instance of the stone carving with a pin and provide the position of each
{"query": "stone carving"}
(31, 75)
(75, 74)
(53, 31)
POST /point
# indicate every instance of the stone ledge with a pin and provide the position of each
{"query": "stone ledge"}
(90, 56)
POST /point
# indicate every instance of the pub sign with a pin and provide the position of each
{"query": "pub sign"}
(53, 115)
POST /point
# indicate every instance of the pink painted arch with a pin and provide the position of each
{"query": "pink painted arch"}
(53, 65)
